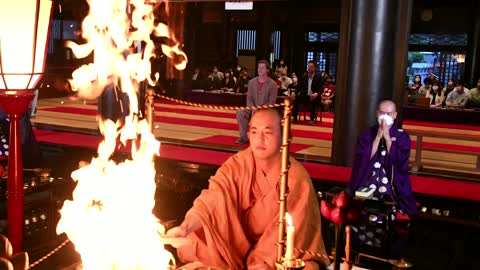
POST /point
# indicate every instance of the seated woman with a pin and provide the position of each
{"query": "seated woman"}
(229, 81)
(328, 93)
(436, 95)
(417, 83)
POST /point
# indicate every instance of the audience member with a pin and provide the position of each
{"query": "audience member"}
(285, 82)
(474, 93)
(311, 87)
(196, 75)
(425, 88)
(281, 67)
(328, 93)
(215, 79)
(237, 71)
(262, 90)
(458, 97)
(292, 88)
(229, 81)
(436, 95)
(447, 89)
(242, 82)
(417, 83)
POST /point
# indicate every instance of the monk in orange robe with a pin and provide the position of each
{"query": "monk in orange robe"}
(233, 223)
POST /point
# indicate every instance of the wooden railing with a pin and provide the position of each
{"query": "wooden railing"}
(420, 147)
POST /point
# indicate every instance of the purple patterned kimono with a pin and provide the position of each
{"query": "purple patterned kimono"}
(387, 173)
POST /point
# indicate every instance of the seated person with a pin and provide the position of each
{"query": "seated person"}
(215, 79)
(474, 101)
(285, 81)
(242, 82)
(292, 91)
(233, 223)
(262, 90)
(447, 89)
(417, 83)
(229, 81)
(292, 88)
(328, 93)
(311, 87)
(458, 97)
(436, 95)
(425, 88)
(381, 163)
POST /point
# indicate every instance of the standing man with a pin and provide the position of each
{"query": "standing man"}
(311, 88)
(262, 90)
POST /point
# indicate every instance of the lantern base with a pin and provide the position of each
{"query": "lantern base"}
(15, 104)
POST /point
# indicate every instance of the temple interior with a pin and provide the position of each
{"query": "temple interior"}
(364, 50)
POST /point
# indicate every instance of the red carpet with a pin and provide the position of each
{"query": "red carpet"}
(196, 123)
(295, 132)
(426, 185)
(195, 112)
(440, 125)
(470, 149)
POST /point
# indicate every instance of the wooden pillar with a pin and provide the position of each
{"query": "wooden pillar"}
(371, 67)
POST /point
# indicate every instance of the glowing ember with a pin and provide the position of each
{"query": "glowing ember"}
(110, 218)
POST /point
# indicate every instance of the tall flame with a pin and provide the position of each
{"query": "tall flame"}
(110, 218)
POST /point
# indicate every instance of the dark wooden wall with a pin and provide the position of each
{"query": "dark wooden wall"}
(211, 36)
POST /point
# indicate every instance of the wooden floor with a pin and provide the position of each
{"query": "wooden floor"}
(212, 128)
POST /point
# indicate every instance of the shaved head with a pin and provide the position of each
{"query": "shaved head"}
(387, 103)
(387, 107)
(266, 134)
(272, 114)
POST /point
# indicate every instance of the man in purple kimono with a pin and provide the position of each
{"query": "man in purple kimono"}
(381, 163)
(262, 90)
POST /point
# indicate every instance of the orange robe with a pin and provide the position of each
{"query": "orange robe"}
(239, 217)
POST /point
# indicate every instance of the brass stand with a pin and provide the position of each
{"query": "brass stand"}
(401, 264)
(347, 246)
(150, 107)
(284, 179)
(295, 264)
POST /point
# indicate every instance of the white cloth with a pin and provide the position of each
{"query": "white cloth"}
(309, 89)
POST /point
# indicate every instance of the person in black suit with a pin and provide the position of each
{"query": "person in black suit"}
(310, 90)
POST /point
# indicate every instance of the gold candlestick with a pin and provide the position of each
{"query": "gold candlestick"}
(150, 107)
(284, 179)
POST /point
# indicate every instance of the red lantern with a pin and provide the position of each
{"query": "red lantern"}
(341, 199)
(24, 28)
(326, 208)
(338, 216)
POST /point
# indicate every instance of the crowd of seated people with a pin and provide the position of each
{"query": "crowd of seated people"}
(312, 92)
(453, 95)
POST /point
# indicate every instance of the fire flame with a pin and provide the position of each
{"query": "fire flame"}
(110, 218)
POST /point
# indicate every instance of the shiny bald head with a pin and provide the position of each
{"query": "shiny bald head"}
(266, 134)
(387, 107)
